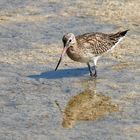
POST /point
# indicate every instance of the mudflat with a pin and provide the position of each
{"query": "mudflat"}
(38, 103)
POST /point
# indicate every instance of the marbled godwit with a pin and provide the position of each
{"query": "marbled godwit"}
(89, 47)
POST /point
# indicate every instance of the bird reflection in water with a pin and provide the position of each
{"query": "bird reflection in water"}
(87, 105)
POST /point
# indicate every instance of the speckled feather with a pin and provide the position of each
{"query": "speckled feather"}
(98, 43)
(89, 47)
(84, 48)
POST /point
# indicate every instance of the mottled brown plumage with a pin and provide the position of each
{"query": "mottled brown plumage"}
(89, 47)
(98, 42)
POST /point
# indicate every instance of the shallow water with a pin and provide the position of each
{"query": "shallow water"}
(30, 43)
(87, 105)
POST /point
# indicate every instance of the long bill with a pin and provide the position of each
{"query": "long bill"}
(63, 52)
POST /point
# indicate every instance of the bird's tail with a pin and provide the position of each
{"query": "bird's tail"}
(120, 34)
(123, 33)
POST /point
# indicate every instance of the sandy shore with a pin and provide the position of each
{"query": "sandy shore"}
(37, 103)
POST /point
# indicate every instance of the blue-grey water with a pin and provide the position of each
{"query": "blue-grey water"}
(30, 44)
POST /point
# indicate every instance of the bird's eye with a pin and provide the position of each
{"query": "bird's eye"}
(70, 40)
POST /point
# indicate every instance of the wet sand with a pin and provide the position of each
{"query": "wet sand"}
(30, 44)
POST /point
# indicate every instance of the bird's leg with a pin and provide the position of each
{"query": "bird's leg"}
(91, 70)
(95, 74)
(89, 67)
(95, 63)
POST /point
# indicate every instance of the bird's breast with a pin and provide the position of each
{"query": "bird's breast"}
(77, 55)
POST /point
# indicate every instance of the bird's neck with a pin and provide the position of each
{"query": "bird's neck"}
(73, 47)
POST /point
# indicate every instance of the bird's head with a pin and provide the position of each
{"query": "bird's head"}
(68, 40)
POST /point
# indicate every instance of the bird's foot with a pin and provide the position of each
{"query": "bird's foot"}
(91, 71)
(93, 75)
